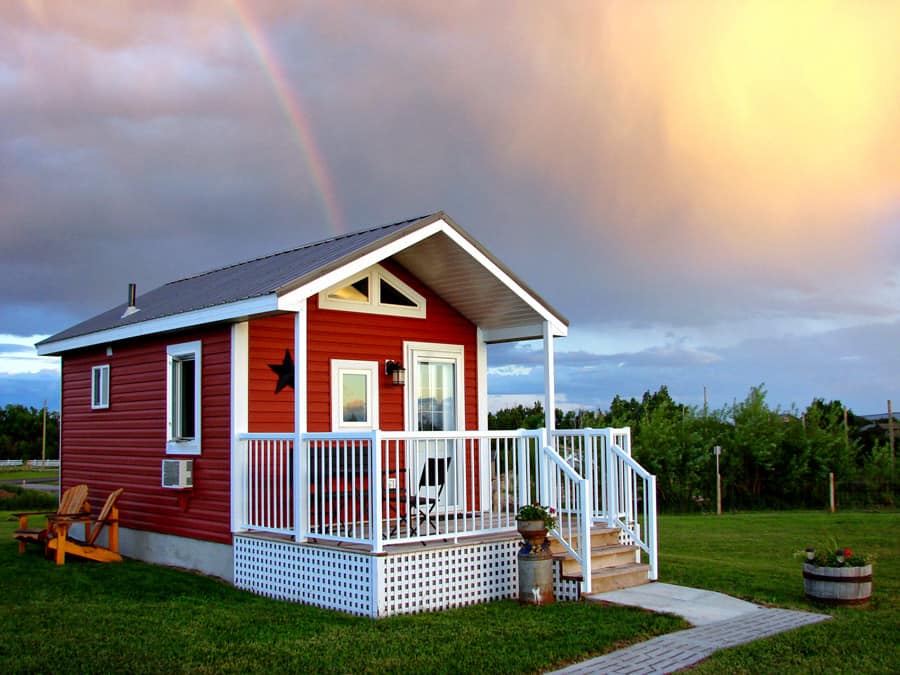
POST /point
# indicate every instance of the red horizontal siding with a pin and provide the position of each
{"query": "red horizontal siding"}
(335, 334)
(124, 445)
(268, 411)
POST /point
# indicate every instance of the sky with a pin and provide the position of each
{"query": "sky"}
(708, 191)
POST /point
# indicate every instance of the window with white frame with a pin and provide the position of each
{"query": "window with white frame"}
(354, 395)
(183, 398)
(374, 291)
(100, 387)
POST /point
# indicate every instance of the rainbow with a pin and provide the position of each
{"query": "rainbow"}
(293, 111)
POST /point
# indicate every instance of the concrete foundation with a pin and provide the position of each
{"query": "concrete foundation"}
(165, 549)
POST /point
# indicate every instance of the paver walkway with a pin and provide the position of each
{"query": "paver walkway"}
(668, 653)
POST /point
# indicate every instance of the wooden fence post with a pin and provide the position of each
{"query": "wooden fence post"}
(831, 491)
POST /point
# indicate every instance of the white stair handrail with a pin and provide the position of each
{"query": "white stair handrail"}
(554, 464)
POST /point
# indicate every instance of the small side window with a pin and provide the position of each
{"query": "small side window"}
(100, 387)
(183, 398)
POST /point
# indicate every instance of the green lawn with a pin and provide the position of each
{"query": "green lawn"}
(140, 618)
(135, 617)
(19, 474)
(751, 556)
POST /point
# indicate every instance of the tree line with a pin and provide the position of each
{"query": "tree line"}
(21, 433)
(771, 458)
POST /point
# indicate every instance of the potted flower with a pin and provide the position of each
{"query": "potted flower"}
(534, 520)
(837, 575)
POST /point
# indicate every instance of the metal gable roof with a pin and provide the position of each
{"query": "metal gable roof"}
(472, 289)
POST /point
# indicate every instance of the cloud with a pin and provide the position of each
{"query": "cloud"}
(18, 356)
(715, 157)
(720, 171)
(794, 368)
(30, 389)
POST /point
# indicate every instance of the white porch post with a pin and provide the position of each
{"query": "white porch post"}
(375, 475)
(549, 380)
(301, 459)
(239, 422)
(484, 446)
(549, 415)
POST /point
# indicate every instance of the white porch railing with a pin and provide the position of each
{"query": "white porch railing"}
(386, 487)
(263, 479)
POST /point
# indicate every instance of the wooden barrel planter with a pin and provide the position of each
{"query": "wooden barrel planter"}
(838, 585)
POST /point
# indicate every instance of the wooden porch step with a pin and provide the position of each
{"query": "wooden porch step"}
(600, 536)
(601, 556)
(614, 578)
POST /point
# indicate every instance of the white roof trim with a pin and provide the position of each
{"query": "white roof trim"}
(557, 327)
(292, 299)
(232, 310)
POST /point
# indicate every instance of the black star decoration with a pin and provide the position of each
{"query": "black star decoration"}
(285, 372)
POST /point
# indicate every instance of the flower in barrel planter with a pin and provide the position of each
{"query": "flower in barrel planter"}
(536, 512)
(534, 522)
(837, 575)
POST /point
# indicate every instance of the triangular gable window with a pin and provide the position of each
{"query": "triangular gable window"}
(358, 291)
(375, 291)
(392, 296)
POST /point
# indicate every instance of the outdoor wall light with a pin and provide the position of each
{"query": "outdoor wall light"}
(397, 372)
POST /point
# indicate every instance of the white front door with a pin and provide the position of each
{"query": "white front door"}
(436, 404)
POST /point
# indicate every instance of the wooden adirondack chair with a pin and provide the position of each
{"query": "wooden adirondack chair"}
(63, 544)
(72, 503)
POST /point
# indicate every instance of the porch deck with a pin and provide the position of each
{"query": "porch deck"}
(332, 519)
(450, 541)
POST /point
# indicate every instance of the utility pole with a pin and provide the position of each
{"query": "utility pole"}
(891, 433)
(718, 451)
(44, 439)
(846, 429)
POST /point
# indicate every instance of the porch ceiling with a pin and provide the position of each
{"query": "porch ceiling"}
(475, 291)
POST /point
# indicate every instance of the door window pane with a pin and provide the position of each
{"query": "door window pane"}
(436, 396)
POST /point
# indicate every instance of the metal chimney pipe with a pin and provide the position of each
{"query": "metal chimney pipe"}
(132, 301)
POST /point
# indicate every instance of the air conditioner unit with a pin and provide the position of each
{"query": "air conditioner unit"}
(178, 473)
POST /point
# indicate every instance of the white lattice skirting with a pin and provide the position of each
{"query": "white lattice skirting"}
(395, 583)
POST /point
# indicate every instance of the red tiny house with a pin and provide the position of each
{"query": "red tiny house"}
(305, 334)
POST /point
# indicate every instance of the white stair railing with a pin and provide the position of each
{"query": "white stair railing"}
(632, 492)
(624, 493)
(569, 494)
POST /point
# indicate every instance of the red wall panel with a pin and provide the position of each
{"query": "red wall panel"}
(333, 334)
(124, 445)
(269, 411)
